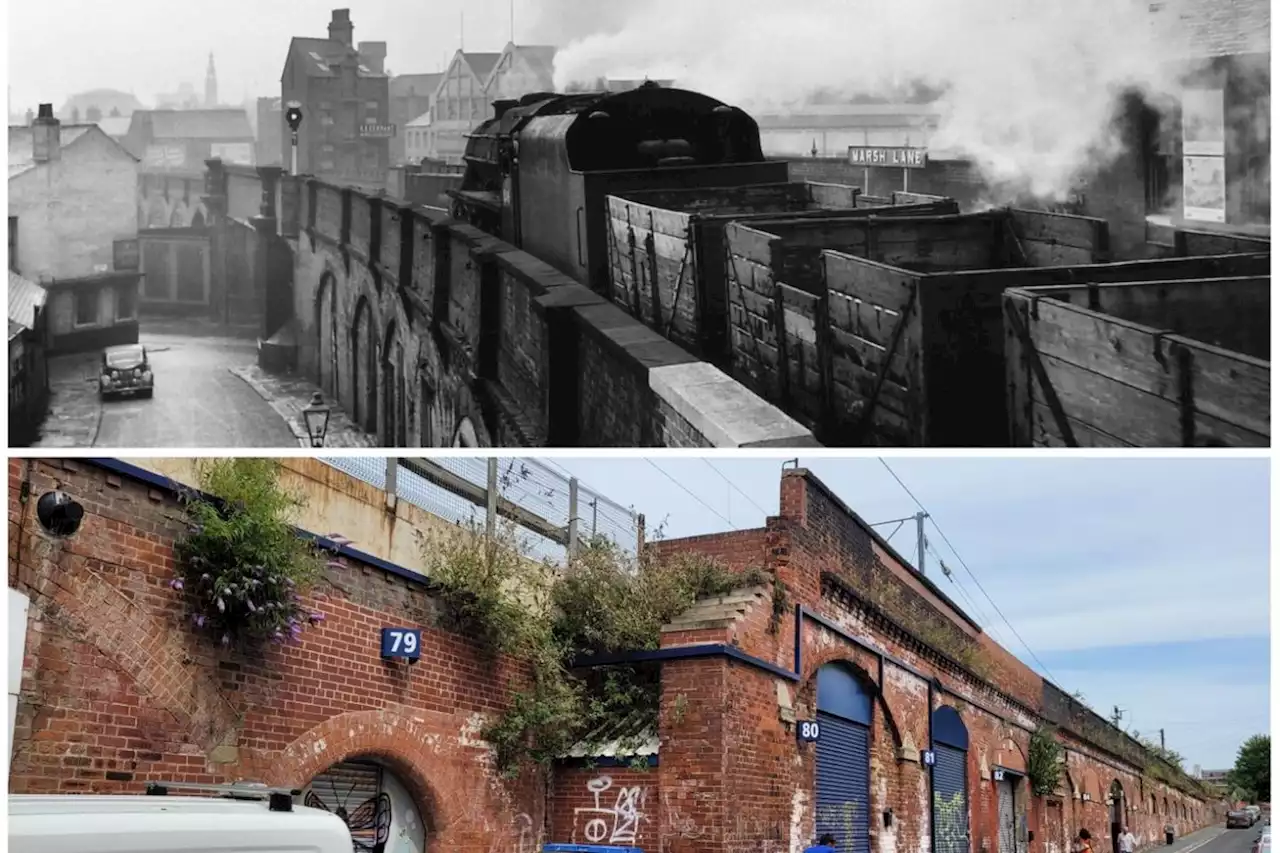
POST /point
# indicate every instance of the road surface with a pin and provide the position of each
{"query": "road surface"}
(198, 402)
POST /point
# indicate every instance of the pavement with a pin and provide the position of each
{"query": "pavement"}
(1214, 839)
(209, 392)
(289, 395)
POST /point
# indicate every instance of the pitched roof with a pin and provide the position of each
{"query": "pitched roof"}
(541, 57)
(481, 63)
(116, 126)
(315, 56)
(416, 85)
(423, 120)
(25, 296)
(200, 124)
(1205, 28)
(21, 144)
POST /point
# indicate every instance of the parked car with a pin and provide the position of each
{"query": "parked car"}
(248, 818)
(1263, 842)
(126, 371)
(1239, 819)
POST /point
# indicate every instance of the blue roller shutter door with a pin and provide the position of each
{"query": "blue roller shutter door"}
(844, 783)
(950, 801)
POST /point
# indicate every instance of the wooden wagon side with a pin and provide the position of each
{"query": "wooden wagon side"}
(666, 265)
(1103, 365)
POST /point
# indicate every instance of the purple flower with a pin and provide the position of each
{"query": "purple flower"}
(336, 564)
(205, 576)
(198, 619)
(222, 607)
(337, 539)
(226, 639)
(317, 617)
(249, 604)
(176, 583)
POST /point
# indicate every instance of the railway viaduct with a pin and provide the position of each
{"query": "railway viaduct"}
(431, 333)
(932, 722)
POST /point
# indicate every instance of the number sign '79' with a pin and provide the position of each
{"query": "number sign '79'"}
(402, 643)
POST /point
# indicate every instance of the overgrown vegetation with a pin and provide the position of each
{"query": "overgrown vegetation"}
(1044, 762)
(241, 564)
(1251, 775)
(602, 602)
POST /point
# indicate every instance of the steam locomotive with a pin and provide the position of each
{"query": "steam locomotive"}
(538, 173)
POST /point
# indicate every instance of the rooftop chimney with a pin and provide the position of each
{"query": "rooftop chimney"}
(46, 136)
(373, 54)
(340, 28)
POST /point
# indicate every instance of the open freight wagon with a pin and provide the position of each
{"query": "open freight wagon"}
(890, 331)
(667, 255)
(1179, 358)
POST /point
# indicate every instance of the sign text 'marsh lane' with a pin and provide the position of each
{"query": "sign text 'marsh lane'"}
(893, 158)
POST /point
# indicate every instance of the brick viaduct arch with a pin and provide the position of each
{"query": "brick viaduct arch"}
(838, 657)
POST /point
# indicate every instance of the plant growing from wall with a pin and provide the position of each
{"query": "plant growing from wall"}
(241, 564)
(602, 602)
(1044, 762)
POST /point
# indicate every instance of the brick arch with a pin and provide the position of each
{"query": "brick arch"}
(391, 372)
(1010, 754)
(364, 365)
(837, 656)
(404, 745)
(326, 322)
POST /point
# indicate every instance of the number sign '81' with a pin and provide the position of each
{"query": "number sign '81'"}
(402, 643)
(807, 730)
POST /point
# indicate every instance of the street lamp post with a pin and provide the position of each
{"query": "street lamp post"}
(316, 417)
(293, 115)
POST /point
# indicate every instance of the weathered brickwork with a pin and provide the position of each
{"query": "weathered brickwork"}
(117, 690)
(429, 332)
(605, 805)
(914, 652)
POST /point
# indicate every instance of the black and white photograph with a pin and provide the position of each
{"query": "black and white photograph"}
(562, 223)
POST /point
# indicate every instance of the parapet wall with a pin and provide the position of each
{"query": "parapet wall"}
(430, 332)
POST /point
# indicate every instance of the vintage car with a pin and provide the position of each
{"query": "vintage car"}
(125, 372)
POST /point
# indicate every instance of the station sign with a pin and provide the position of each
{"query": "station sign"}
(889, 158)
(377, 131)
(808, 731)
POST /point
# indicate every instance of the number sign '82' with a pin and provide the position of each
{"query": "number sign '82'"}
(807, 730)
(402, 643)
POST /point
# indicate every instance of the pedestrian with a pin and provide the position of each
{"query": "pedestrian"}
(826, 844)
(1084, 842)
(1127, 841)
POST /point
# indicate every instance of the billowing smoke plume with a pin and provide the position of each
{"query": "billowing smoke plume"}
(1029, 88)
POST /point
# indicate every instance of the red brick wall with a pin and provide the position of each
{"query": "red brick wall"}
(768, 784)
(117, 690)
(606, 805)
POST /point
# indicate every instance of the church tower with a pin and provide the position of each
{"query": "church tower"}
(210, 86)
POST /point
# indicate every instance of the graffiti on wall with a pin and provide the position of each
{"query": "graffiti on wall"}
(613, 818)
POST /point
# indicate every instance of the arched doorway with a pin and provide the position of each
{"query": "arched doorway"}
(364, 368)
(376, 806)
(392, 389)
(327, 335)
(197, 221)
(843, 783)
(1115, 798)
(950, 781)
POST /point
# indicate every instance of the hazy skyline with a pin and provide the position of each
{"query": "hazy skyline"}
(98, 47)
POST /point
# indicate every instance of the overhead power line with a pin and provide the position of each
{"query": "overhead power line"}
(685, 489)
(968, 571)
(734, 486)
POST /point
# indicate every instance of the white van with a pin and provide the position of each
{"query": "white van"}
(244, 818)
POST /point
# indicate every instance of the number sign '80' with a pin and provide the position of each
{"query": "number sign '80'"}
(807, 730)
(402, 643)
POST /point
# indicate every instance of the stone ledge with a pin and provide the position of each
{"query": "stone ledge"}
(723, 410)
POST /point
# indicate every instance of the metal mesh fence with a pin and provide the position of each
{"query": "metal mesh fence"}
(528, 484)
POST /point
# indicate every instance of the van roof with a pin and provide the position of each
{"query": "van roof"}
(110, 823)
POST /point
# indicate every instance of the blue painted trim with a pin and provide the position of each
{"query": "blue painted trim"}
(949, 728)
(841, 693)
(159, 481)
(607, 761)
(704, 650)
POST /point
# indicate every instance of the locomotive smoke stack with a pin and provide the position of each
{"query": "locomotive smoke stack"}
(502, 105)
